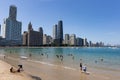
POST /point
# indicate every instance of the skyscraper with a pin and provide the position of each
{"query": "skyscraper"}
(73, 40)
(67, 37)
(85, 43)
(60, 32)
(11, 29)
(41, 35)
(13, 12)
(79, 41)
(33, 38)
(55, 31)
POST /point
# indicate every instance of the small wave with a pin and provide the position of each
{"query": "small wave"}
(69, 68)
(2, 55)
(65, 67)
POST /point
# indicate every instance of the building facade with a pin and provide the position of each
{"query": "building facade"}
(60, 32)
(33, 38)
(67, 39)
(47, 40)
(25, 38)
(11, 28)
(85, 43)
(55, 31)
(41, 35)
(73, 40)
(79, 42)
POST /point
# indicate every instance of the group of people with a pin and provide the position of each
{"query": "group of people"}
(20, 68)
(71, 56)
(60, 57)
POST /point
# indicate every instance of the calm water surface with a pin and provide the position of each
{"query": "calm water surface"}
(71, 56)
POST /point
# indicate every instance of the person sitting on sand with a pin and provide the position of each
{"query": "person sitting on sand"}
(18, 70)
(21, 67)
(13, 71)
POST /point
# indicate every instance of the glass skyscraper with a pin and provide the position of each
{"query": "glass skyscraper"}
(55, 31)
(60, 32)
(11, 28)
(13, 12)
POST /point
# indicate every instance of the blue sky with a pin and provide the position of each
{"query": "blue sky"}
(97, 20)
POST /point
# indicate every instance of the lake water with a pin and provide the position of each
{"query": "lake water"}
(102, 58)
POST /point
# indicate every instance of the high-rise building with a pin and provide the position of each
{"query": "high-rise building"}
(67, 38)
(47, 39)
(85, 43)
(73, 40)
(11, 29)
(90, 43)
(33, 38)
(13, 12)
(25, 38)
(55, 31)
(41, 35)
(79, 41)
(60, 32)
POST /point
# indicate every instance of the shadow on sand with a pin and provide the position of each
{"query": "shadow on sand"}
(35, 77)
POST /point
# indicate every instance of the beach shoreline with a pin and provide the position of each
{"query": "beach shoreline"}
(42, 67)
(50, 72)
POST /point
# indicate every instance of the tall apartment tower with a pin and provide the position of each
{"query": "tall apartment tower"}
(55, 31)
(79, 41)
(85, 42)
(41, 35)
(60, 32)
(67, 38)
(11, 28)
(73, 40)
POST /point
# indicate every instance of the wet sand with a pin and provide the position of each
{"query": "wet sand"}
(47, 71)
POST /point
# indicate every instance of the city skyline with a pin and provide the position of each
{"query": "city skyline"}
(94, 20)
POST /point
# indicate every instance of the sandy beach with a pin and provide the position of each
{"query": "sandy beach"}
(5, 74)
(45, 71)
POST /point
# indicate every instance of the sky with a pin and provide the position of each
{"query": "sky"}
(96, 20)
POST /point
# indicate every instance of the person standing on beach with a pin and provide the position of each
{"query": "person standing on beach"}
(81, 66)
(4, 57)
(30, 55)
